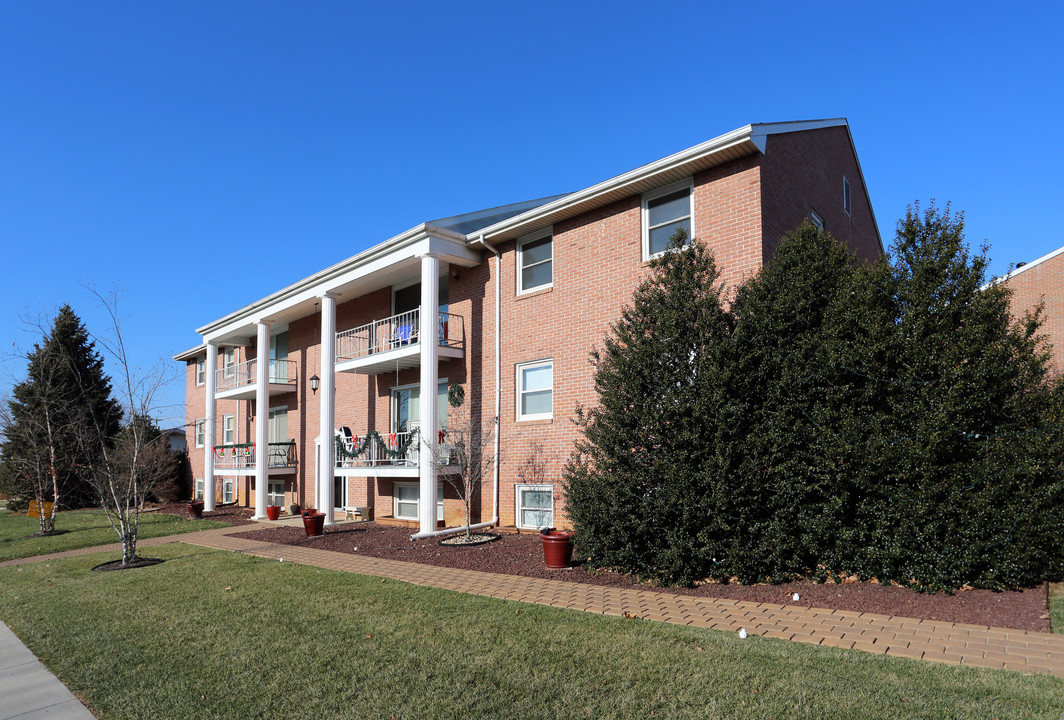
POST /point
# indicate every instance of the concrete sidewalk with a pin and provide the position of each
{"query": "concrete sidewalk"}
(28, 690)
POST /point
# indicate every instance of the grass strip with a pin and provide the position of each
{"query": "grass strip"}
(85, 528)
(209, 634)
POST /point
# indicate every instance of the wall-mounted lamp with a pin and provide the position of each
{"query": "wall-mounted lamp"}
(314, 383)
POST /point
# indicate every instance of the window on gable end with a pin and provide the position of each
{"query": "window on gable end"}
(846, 203)
(664, 212)
(535, 263)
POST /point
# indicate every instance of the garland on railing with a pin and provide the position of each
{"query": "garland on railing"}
(237, 450)
(362, 445)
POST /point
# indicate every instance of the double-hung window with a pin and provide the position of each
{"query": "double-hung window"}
(535, 264)
(199, 433)
(228, 490)
(228, 430)
(535, 506)
(197, 493)
(200, 371)
(666, 211)
(535, 390)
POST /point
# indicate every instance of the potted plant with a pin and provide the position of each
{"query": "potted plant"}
(293, 509)
(195, 509)
(313, 522)
(557, 548)
(273, 511)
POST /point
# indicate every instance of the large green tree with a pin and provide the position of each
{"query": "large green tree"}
(635, 488)
(64, 388)
(889, 419)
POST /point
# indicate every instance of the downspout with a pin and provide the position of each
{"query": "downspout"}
(498, 409)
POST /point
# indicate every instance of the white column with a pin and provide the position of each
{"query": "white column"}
(430, 350)
(208, 425)
(262, 415)
(327, 467)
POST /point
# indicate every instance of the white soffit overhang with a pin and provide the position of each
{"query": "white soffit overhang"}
(718, 151)
(298, 299)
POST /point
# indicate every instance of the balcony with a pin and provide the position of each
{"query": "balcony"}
(394, 343)
(384, 454)
(241, 457)
(237, 381)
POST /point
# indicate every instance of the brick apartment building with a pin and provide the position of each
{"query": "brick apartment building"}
(1042, 281)
(506, 303)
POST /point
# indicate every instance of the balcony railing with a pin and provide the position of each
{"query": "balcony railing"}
(238, 375)
(397, 331)
(377, 450)
(242, 455)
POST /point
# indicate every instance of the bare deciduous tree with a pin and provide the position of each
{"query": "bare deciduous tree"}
(465, 453)
(133, 461)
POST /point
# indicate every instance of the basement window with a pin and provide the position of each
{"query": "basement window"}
(535, 506)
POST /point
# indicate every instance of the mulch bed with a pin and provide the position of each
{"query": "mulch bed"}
(522, 554)
(231, 513)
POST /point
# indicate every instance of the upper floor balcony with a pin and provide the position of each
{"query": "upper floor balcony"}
(237, 381)
(393, 454)
(242, 457)
(394, 343)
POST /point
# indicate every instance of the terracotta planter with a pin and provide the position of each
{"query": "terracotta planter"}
(314, 523)
(273, 511)
(195, 509)
(557, 548)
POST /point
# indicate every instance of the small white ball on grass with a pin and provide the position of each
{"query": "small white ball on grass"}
(743, 634)
(282, 559)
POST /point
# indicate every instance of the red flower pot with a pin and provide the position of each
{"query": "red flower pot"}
(195, 509)
(314, 523)
(273, 511)
(557, 548)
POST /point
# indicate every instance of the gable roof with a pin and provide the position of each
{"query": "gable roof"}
(718, 151)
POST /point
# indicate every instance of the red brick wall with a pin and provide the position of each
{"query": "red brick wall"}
(802, 172)
(1043, 283)
(597, 265)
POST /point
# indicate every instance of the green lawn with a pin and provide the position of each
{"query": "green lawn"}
(1056, 607)
(210, 634)
(86, 528)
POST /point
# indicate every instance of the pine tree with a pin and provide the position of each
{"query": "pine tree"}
(633, 487)
(42, 453)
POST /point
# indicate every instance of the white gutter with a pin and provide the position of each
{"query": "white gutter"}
(498, 409)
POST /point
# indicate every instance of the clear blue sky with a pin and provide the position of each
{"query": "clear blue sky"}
(203, 155)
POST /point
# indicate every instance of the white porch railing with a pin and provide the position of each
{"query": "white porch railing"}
(384, 450)
(238, 375)
(242, 455)
(397, 331)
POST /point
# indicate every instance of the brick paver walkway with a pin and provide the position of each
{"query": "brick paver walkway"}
(932, 640)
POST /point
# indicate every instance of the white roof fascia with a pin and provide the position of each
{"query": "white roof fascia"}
(190, 353)
(754, 134)
(763, 130)
(1013, 273)
(641, 173)
(417, 241)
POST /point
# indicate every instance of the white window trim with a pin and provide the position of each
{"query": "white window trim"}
(197, 489)
(847, 196)
(520, 252)
(816, 219)
(519, 489)
(518, 368)
(395, 500)
(227, 440)
(228, 489)
(201, 372)
(688, 183)
(200, 432)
